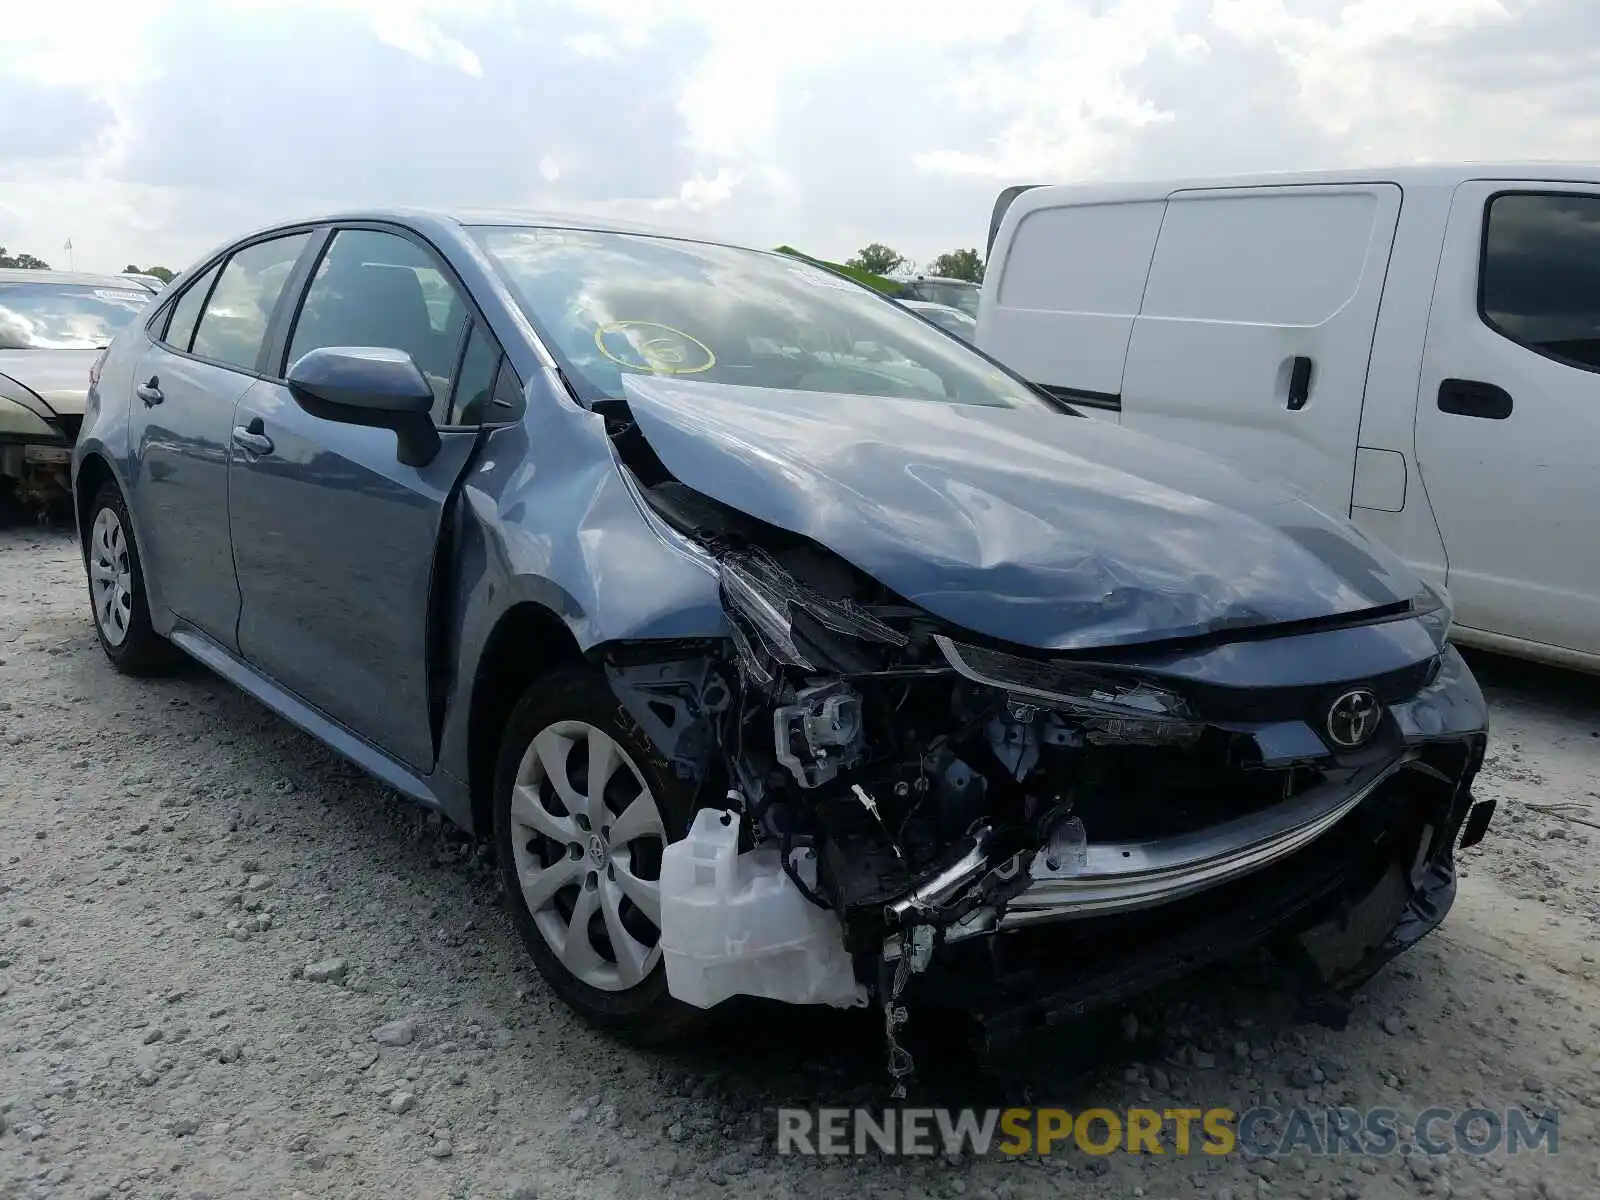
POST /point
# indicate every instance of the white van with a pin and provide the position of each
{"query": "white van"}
(1418, 348)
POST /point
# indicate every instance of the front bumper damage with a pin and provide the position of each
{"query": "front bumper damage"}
(920, 820)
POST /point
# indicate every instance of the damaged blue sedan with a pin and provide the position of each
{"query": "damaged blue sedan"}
(783, 645)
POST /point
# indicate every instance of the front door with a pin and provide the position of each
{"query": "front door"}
(185, 389)
(335, 540)
(1508, 410)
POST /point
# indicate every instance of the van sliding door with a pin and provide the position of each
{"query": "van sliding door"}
(1255, 330)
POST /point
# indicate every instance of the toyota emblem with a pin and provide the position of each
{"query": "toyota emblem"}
(1353, 718)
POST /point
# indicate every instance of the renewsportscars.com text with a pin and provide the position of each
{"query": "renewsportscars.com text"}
(1179, 1131)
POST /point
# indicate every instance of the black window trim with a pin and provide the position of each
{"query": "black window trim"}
(283, 335)
(164, 315)
(1483, 263)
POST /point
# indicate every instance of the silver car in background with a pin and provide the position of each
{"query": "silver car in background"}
(53, 324)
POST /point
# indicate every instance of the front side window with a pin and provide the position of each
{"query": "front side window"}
(380, 289)
(234, 323)
(613, 304)
(65, 316)
(1540, 284)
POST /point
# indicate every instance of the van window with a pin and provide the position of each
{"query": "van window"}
(1086, 258)
(1290, 257)
(1540, 284)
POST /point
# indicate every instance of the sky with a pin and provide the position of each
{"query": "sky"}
(150, 131)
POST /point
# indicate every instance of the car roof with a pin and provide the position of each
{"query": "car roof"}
(469, 217)
(83, 278)
(1410, 175)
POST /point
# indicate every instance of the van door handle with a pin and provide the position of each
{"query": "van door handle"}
(1472, 398)
(150, 392)
(1299, 383)
(252, 438)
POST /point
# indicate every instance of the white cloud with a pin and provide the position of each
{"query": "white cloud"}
(150, 131)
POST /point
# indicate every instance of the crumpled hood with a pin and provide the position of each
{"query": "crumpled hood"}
(58, 377)
(1024, 525)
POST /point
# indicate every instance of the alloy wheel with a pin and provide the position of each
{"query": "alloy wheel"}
(110, 576)
(587, 839)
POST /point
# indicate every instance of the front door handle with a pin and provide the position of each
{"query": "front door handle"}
(1472, 398)
(252, 438)
(150, 392)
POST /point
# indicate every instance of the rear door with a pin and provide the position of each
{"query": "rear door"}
(1059, 306)
(1255, 330)
(1508, 409)
(205, 355)
(338, 543)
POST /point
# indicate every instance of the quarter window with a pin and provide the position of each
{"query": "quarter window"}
(234, 323)
(180, 329)
(380, 289)
(475, 381)
(1541, 274)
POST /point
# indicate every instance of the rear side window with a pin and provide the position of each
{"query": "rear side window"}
(1085, 258)
(1540, 283)
(180, 328)
(234, 323)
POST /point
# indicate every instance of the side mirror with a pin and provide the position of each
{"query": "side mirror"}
(372, 386)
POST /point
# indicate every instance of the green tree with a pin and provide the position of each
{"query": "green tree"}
(958, 264)
(160, 273)
(26, 261)
(878, 259)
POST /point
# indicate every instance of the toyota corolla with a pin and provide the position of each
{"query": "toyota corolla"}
(784, 645)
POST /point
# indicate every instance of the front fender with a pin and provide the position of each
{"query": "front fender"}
(550, 516)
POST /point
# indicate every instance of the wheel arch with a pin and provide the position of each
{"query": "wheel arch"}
(94, 472)
(528, 641)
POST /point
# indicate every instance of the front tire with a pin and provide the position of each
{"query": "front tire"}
(117, 593)
(584, 807)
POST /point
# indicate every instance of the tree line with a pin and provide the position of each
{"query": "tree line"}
(879, 259)
(30, 262)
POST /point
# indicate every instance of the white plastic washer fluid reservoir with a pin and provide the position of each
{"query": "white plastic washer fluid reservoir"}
(735, 925)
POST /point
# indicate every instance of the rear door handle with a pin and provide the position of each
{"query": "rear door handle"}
(252, 439)
(1473, 398)
(150, 392)
(1299, 383)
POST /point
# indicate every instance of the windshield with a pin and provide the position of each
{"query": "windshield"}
(957, 295)
(65, 316)
(611, 304)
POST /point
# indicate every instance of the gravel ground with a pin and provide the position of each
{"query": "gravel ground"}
(232, 966)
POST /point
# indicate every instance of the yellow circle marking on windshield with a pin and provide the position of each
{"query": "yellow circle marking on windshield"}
(650, 346)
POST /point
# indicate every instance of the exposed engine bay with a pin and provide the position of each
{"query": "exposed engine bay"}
(920, 786)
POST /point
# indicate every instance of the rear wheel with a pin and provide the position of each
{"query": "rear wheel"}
(584, 808)
(117, 594)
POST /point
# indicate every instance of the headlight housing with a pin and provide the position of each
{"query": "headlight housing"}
(1110, 709)
(763, 602)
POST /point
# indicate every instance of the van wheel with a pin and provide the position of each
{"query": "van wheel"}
(117, 594)
(584, 807)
